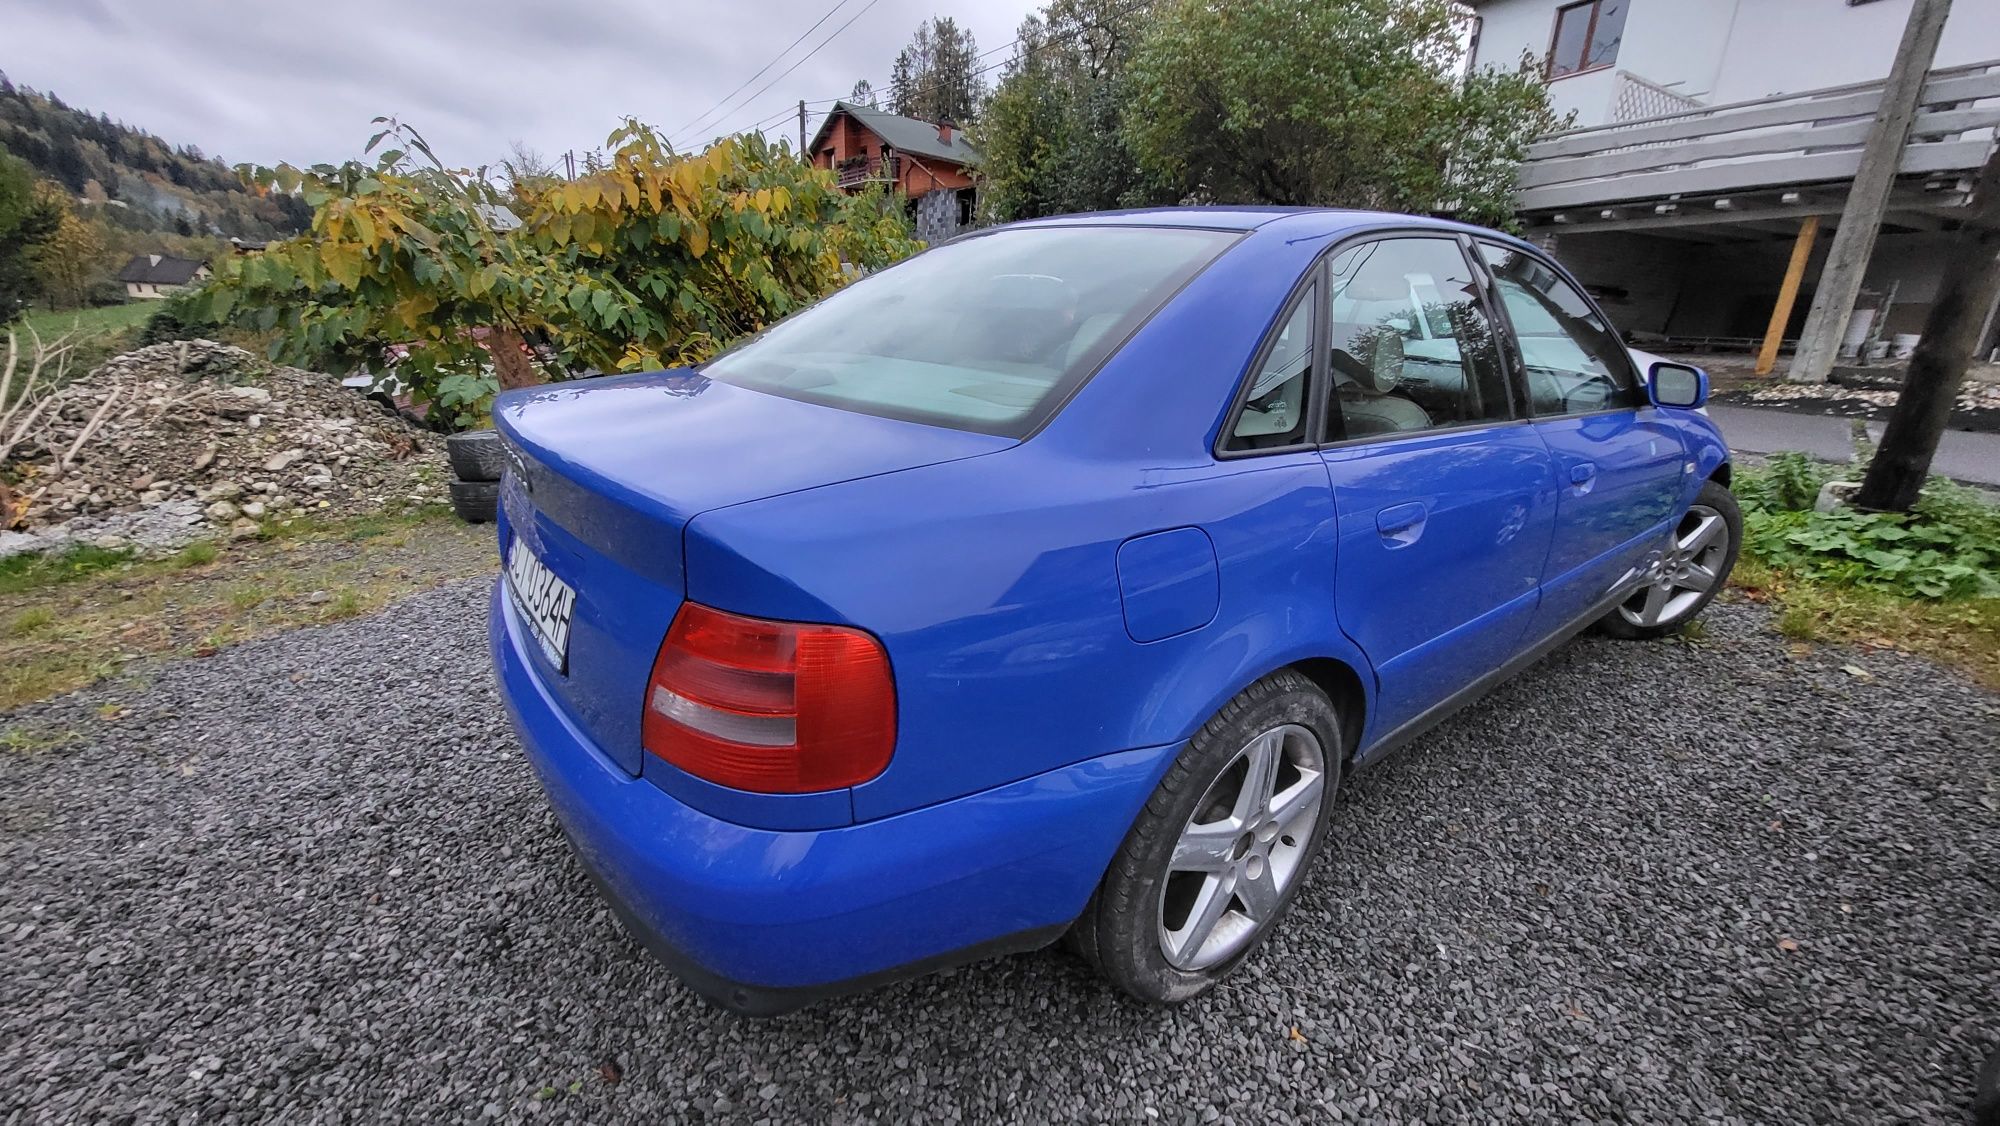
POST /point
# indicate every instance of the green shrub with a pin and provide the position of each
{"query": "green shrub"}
(1947, 548)
(1790, 483)
(177, 318)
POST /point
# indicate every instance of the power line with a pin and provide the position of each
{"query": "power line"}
(1050, 41)
(760, 73)
(809, 54)
(782, 114)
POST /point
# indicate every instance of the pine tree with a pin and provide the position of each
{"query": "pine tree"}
(935, 78)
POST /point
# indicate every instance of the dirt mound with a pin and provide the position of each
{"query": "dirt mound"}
(196, 421)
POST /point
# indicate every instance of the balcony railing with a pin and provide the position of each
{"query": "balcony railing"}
(854, 173)
(1792, 139)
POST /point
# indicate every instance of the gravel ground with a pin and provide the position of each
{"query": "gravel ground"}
(1725, 881)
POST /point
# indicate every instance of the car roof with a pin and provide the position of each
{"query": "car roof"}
(1292, 222)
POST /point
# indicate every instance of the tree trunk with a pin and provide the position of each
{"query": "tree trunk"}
(1966, 294)
(511, 361)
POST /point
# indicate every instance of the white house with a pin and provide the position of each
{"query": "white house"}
(153, 276)
(1710, 52)
(1711, 134)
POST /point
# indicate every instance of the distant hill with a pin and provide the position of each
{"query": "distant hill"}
(137, 180)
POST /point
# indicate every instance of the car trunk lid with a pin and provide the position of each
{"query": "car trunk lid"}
(606, 473)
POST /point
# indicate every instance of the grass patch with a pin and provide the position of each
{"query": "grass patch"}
(89, 322)
(197, 554)
(27, 740)
(102, 332)
(27, 572)
(354, 529)
(1964, 634)
(32, 620)
(87, 615)
(1922, 583)
(346, 604)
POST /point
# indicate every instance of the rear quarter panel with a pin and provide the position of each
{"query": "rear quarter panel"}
(993, 584)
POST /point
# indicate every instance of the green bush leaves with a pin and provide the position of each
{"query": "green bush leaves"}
(434, 278)
(1947, 548)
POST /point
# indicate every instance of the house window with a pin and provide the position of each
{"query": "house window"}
(1587, 36)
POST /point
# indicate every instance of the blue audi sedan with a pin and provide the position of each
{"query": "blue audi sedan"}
(1048, 584)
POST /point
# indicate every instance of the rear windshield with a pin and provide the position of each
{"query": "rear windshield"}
(987, 334)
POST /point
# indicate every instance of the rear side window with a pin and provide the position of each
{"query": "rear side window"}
(1274, 405)
(1574, 363)
(989, 334)
(1411, 346)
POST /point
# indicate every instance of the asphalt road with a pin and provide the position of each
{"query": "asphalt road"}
(1973, 458)
(311, 879)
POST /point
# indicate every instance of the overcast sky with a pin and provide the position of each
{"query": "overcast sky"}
(283, 80)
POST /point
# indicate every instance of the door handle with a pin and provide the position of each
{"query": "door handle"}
(1401, 524)
(1582, 475)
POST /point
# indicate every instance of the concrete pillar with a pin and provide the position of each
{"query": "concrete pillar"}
(1868, 200)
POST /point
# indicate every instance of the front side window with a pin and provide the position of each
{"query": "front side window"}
(1575, 363)
(1586, 36)
(988, 334)
(1411, 346)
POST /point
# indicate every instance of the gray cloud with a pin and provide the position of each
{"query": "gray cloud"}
(288, 81)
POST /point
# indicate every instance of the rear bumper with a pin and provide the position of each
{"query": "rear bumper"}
(762, 921)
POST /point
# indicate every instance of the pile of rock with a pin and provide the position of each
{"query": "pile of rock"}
(205, 436)
(1973, 394)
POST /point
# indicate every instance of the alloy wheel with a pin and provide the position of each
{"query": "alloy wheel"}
(1676, 581)
(1242, 848)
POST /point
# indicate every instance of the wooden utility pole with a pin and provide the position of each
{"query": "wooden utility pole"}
(1788, 295)
(802, 130)
(1966, 296)
(1868, 200)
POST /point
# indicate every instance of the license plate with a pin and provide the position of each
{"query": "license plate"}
(543, 601)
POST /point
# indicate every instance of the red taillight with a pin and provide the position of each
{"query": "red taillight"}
(775, 707)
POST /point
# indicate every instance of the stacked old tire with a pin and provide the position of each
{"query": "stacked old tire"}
(477, 462)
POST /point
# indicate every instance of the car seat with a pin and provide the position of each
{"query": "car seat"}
(1366, 388)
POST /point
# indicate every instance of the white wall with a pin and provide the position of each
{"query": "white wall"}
(1680, 44)
(1723, 51)
(1676, 43)
(1788, 46)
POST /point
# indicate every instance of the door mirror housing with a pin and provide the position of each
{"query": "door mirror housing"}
(1677, 385)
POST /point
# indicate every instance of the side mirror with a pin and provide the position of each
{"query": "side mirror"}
(1677, 385)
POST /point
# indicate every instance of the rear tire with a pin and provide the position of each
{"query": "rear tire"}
(1986, 1092)
(476, 502)
(476, 455)
(1221, 847)
(1685, 577)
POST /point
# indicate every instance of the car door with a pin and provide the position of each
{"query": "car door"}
(1618, 463)
(1442, 493)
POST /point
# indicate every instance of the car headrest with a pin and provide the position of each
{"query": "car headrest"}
(1373, 360)
(1376, 285)
(1087, 335)
(1030, 292)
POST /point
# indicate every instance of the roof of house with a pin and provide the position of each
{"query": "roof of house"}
(160, 269)
(904, 134)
